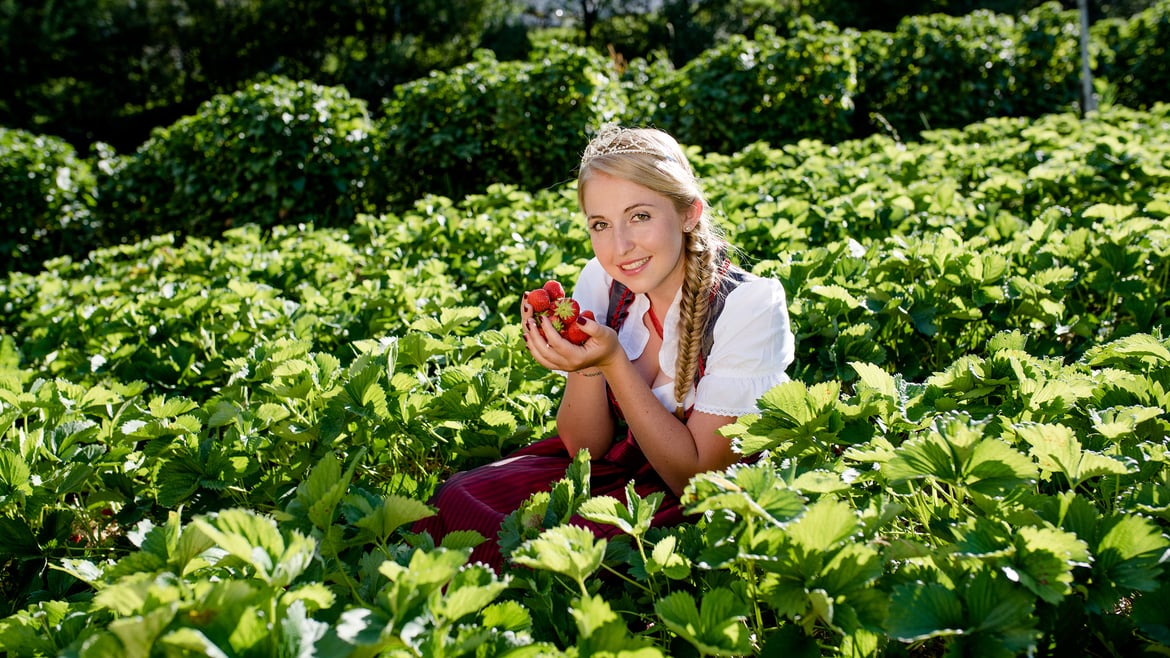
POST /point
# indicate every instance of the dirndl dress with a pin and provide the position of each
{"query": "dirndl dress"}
(479, 499)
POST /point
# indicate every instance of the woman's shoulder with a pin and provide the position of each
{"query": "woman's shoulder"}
(752, 289)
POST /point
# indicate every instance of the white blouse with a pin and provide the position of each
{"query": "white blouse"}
(751, 349)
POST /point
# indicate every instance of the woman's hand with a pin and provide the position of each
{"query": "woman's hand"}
(552, 351)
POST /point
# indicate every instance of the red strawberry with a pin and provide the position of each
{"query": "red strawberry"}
(566, 310)
(574, 333)
(539, 300)
(554, 289)
(587, 314)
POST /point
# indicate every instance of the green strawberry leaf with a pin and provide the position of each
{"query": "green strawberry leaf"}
(569, 550)
(716, 627)
(921, 611)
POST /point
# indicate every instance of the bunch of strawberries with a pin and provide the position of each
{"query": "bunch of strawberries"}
(565, 313)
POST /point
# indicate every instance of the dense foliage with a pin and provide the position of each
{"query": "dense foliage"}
(320, 150)
(112, 70)
(266, 154)
(217, 446)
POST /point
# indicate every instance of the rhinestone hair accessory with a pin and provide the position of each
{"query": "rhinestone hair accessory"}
(614, 139)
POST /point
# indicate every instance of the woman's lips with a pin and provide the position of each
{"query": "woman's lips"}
(633, 267)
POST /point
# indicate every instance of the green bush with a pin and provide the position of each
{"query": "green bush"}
(641, 80)
(1140, 70)
(945, 72)
(1047, 75)
(274, 152)
(46, 200)
(487, 122)
(769, 89)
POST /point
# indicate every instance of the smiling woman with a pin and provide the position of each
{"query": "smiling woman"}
(689, 343)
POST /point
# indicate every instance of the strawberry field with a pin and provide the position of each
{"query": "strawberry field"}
(216, 447)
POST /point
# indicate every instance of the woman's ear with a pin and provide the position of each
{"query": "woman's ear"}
(694, 214)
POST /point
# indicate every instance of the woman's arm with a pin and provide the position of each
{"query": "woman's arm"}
(584, 419)
(677, 450)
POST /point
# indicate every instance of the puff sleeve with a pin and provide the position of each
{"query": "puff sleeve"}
(752, 348)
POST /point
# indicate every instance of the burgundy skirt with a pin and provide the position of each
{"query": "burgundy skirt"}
(480, 498)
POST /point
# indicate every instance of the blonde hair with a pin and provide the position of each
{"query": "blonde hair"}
(653, 159)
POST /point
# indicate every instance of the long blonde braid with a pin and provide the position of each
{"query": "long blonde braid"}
(694, 307)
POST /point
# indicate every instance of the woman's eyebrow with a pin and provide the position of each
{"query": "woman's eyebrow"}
(626, 210)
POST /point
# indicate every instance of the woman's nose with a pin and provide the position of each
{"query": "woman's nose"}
(621, 240)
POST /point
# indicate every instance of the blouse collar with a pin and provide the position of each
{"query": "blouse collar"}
(635, 334)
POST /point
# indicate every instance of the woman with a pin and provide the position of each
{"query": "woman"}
(688, 345)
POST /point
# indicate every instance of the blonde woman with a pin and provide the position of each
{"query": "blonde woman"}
(689, 343)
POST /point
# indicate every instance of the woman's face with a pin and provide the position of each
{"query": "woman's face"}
(637, 234)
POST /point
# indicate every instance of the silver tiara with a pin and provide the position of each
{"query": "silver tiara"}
(614, 139)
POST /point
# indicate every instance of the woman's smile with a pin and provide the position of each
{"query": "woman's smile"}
(635, 266)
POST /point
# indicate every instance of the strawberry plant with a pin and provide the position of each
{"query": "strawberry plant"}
(220, 445)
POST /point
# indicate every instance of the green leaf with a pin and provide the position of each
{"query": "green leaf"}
(1057, 450)
(255, 540)
(162, 407)
(15, 478)
(715, 628)
(837, 293)
(666, 559)
(1131, 551)
(299, 632)
(824, 524)
(460, 539)
(410, 586)
(1045, 559)
(820, 482)
(1116, 423)
(749, 491)
(1142, 348)
(921, 611)
(956, 452)
(1006, 613)
(469, 591)
(569, 550)
(314, 596)
(790, 412)
(634, 518)
(602, 633)
(192, 641)
(393, 513)
(17, 538)
(592, 613)
(325, 487)
(856, 566)
(138, 634)
(875, 379)
(508, 616)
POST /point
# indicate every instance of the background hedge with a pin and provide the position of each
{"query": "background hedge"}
(282, 150)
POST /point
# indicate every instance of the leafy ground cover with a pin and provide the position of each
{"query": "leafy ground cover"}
(216, 447)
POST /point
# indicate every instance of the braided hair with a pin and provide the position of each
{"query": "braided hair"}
(655, 160)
